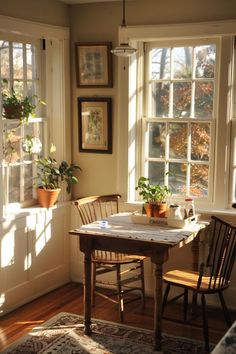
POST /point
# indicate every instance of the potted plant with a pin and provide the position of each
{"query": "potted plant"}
(51, 176)
(154, 196)
(16, 106)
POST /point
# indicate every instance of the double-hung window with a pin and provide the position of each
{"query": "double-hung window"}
(22, 140)
(181, 109)
(181, 112)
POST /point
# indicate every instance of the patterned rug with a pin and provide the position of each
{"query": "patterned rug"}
(63, 334)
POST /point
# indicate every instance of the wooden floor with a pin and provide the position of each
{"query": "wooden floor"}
(69, 298)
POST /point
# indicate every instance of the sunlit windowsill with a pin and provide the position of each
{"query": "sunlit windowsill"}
(203, 211)
(32, 210)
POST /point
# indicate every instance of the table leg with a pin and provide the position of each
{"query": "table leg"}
(195, 253)
(87, 293)
(195, 265)
(158, 307)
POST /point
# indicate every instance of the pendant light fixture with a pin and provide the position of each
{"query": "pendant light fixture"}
(124, 49)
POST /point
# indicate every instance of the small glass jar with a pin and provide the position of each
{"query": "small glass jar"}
(189, 208)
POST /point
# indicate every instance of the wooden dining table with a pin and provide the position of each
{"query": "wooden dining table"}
(153, 240)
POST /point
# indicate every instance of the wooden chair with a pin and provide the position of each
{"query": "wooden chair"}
(129, 268)
(213, 277)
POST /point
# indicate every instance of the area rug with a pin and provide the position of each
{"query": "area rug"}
(63, 334)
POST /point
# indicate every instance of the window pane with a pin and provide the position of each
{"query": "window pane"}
(156, 172)
(18, 60)
(199, 180)
(28, 178)
(29, 61)
(160, 63)
(182, 62)
(14, 184)
(160, 99)
(12, 142)
(30, 89)
(4, 59)
(177, 177)
(205, 61)
(178, 140)
(157, 137)
(18, 87)
(200, 134)
(204, 99)
(182, 99)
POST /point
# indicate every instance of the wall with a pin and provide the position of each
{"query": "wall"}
(34, 243)
(99, 22)
(46, 11)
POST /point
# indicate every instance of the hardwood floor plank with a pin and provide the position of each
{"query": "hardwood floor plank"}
(69, 298)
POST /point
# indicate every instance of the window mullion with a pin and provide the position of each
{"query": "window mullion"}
(11, 71)
(24, 70)
(171, 95)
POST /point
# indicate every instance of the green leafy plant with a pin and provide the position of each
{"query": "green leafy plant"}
(152, 193)
(51, 175)
(18, 107)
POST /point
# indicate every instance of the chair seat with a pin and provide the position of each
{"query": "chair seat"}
(114, 258)
(189, 279)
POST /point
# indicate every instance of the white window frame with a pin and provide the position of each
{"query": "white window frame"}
(57, 85)
(224, 32)
(211, 120)
(39, 82)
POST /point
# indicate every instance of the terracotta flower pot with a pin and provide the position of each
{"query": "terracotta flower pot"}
(13, 111)
(148, 209)
(159, 210)
(47, 197)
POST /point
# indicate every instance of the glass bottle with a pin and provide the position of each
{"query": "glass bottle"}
(189, 207)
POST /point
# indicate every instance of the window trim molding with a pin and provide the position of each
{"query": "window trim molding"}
(32, 29)
(135, 35)
(185, 30)
(57, 109)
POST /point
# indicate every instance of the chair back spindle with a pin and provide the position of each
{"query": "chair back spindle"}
(222, 251)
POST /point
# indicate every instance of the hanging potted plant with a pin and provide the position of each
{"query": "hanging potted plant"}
(51, 176)
(154, 196)
(16, 106)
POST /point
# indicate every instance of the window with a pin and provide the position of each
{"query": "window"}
(20, 71)
(181, 113)
(44, 69)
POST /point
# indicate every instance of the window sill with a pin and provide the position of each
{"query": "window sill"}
(33, 210)
(137, 206)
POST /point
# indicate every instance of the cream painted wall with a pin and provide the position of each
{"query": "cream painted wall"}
(52, 12)
(100, 22)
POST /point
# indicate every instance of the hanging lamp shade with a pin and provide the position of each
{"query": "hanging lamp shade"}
(123, 49)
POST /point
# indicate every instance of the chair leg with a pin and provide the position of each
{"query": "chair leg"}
(205, 323)
(165, 297)
(120, 294)
(225, 310)
(185, 304)
(94, 268)
(194, 303)
(142, 285)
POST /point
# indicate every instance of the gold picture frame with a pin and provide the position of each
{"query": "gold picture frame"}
(95, 124)
(93, 64)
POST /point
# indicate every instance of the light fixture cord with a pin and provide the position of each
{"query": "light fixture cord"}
(123, 21)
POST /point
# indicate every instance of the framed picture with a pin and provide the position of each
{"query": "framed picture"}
(93, 64)
(95, 124)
